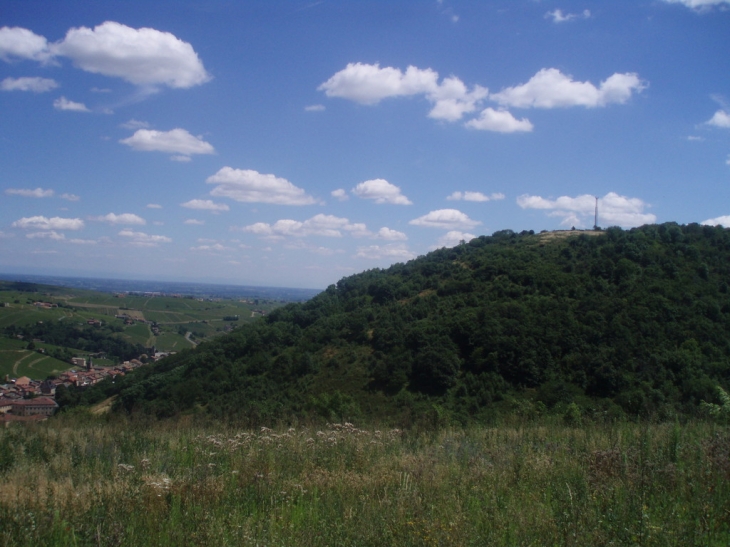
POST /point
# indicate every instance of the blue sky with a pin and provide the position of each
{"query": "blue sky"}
(289, 143)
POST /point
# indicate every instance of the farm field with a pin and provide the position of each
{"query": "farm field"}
(23, 362)
(173, 316)
(521, 483)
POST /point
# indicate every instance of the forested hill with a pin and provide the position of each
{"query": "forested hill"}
(634, 322)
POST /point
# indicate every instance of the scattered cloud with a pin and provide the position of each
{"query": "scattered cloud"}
(720, 119)
(369, 84)
(340, 194)
(135, 124)
(318, 225)
(391, 235)
(448, 219)
(391, 251)
(70, 197)
(381, 191)
(205, 205)
(695, 138)
(43, 223)
(719, 221)
(613, 209)
(182, 159)
(77, 241)
(144, 56)
(176, 141)
(500, 121)
(214, 247)
(452, 99)
(314, 108)
(154, 206)
(46, 235)
(559, 17)
(62, 103)
(124, 218)
(100, 90)
(194, 222)
(474, 196)
(142, 239)
(453, 238)
(700, 5)
(34, 84)
(27, 193)
(550, 88)
(20, 43)
(249, 186)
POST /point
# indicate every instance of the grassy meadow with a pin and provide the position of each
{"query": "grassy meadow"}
(79, 479)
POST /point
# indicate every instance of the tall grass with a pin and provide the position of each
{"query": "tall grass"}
(78, 480)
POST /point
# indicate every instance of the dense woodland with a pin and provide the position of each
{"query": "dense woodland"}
(601, 325)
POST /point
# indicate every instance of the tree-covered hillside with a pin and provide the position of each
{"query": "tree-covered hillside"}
(634, 322)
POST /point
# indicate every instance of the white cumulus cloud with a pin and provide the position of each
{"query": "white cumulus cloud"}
(390, 235)
(62, 103)
(558, 16)
(550, 88)
(70, 197)
(27, 193)
(141, 239)
(381, 191)
(144, 56)
(20, 43)
(369, 84)
(393, 251)
(613, 209)
(194, 222)
(154, 206)
(500, 121)
(43, 223)
(318, 225)
(205, 205)
(247, 185)
(453, 238)
(340, 194)
(474, 196)
(448, 219)
(214, 247)
(26, 83)
(699, 5)
(51, 234)
(720, 119)
(314, 108)
(719, 221)
(176, 141)
(124, 218)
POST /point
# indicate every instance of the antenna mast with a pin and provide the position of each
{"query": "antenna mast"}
(595, 220)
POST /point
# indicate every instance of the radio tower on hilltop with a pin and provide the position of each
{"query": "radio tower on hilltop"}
(595, 219)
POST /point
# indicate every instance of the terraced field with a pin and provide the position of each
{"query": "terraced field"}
(175, 317)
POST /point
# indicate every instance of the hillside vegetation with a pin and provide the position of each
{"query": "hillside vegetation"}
(583, 324)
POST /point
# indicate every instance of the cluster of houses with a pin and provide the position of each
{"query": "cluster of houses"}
(23, 399)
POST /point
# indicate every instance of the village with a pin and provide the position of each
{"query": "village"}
(25, 400)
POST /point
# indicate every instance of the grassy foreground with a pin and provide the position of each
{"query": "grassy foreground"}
(80, 480)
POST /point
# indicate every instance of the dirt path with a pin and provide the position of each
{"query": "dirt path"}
(15, 365)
